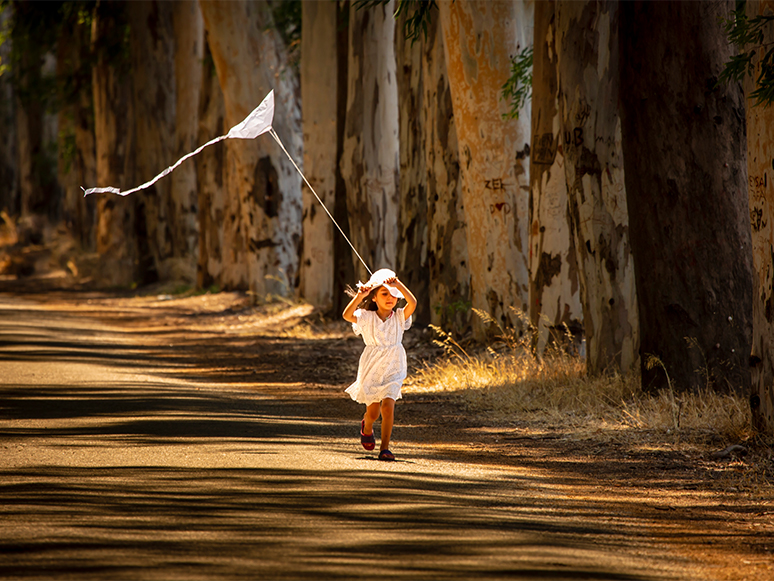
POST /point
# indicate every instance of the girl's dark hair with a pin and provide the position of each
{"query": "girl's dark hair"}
(368, 303)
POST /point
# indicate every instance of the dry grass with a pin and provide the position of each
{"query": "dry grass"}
(8, 231)
(33, 246)
(8, 237)
(509, 384)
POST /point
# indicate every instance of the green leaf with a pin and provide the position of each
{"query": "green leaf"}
(418, 13)
(518, 88)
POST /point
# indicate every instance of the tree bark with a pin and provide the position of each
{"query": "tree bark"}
(479, 39)
(9, 184)
(211, 172)
(263, 208)
(447, 260)
(188, 29)
(319, 60)
(760, 165)
(38, 187)
(76, 155)
(153, 70)
(342, 253)
(686, 185)
(369, 162)
(587, 41)
(113, 129)
(412, 251)
(554, 292)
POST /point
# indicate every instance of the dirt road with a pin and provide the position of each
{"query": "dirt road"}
(143, 438)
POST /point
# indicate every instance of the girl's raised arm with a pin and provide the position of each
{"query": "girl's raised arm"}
(411, 300)
(349, 311)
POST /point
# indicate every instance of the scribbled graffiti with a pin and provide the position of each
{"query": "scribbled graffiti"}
(759, 214)
(574, 137)
(495, 184)
(757, 221)
(544, 150)
(584, 112)
(503, 207)
(758, 184)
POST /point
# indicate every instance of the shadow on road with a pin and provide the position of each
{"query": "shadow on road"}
(131, 453)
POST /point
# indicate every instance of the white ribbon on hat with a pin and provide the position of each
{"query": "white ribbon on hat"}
(378, 279)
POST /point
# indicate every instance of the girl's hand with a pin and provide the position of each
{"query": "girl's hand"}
(394, 281)
(411, 301)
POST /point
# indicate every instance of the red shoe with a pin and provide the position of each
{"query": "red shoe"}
(387, 456)
(369, 442)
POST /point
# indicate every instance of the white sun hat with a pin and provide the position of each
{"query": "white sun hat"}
(377, 279)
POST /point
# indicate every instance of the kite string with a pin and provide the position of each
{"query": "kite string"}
(277, 139)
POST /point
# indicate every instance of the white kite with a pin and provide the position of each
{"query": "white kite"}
(256, 123)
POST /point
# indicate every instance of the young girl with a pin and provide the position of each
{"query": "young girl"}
(382, 366)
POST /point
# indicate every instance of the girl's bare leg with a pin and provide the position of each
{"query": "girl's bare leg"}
(370, 416)
(388, 418)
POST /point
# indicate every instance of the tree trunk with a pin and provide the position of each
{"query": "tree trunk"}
(228, 250)
(9, 183)
(594, 170)
(76, 156)
(686, 184)
(188, 28)
(319, 96)
(38, 188)
(263, 208)
(153, 70)
(211, 172)
(412, 250)
(113, 129)
(447, 260)
(342, 253)
(370, 160)
(479, 39)
(29, 131)
(760, 163)
(554, 292)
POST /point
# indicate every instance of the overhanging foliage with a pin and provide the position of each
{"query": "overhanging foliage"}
(518, 88)
(417, 14)
(747, 34)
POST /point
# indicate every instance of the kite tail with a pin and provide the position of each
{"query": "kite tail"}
(111, 190)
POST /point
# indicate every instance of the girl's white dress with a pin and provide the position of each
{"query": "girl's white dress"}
(382, 366)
